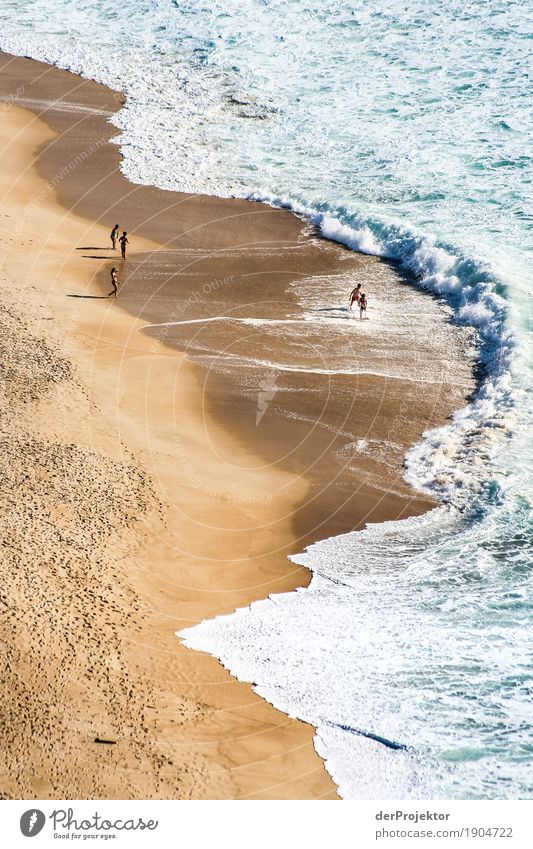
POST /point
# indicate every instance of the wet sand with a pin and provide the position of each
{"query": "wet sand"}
(146, 489)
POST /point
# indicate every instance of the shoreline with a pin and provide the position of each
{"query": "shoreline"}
(137, 409)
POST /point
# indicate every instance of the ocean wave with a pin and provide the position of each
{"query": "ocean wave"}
(446, 463)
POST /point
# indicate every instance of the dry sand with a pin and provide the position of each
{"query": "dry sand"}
(139, 497)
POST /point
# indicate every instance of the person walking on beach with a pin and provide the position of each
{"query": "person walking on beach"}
(362, 304)
(355, 295)
(114, 236)
(114, 283)
(123, 242)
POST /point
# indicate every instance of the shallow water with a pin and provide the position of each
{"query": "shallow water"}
(401, 130)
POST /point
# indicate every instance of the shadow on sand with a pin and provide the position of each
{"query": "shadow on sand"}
(90, 297)
(335, 312)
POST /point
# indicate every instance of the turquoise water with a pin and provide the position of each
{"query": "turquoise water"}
(402, 130)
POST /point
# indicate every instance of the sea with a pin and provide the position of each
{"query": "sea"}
(400, 128)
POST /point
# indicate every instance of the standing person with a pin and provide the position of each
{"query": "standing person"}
(114, 236)
(123, 242)
(114, 282)
(363, 303)
(355, 295)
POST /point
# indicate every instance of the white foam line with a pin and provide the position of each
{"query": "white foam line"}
(251, 321)
(59, 106)
(188, 321)
(250, 362)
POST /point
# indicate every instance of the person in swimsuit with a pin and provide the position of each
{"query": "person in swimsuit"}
(362, 304)
(355, 295)
(123, 242)
(114, 236)
(114, 282)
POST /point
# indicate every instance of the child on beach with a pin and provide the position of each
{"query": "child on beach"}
(114, 236)
(114, 283)
(123, 242)
(355, 295)
(363, 302)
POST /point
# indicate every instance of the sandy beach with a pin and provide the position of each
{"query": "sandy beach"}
(140, 492)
